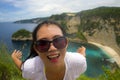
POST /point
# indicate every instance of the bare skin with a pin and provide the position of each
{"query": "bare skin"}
(52, 52)
(82, 50)
(17, 55)
(53, 58)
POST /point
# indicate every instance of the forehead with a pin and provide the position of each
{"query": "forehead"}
(49, 31)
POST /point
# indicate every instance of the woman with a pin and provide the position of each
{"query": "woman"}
(48, 58)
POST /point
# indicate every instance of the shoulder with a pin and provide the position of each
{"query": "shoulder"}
(78, 62)
(30, 63)
(75, 57)
(31, 66)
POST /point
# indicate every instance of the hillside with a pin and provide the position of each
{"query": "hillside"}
(35, 20)
(100, 25)
(22, 34)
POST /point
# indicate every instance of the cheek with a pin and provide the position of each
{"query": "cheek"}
(63, 52)
(44, 58)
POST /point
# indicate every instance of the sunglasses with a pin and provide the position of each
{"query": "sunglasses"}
(44, 45)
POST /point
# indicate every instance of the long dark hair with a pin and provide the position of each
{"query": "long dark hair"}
(33, 53)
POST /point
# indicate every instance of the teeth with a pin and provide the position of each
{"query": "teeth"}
(53, 56)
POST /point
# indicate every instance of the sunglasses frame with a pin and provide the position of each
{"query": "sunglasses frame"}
(46, 45)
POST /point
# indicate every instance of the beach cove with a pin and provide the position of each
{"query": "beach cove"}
(93, 70)
(110, 52)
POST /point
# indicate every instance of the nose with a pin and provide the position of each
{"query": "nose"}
(52, 47)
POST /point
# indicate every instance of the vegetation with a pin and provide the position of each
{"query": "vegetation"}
(8, 70)
(64, 26)
(60, 17)
(21, 33)
(117, 32)
(34, 20)
(118, 40)
(105, 16)
(104, 12)
(81, 36)
(108, 75)
(88, 17)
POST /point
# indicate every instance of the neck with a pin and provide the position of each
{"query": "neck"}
(55, 73)
(55, 69)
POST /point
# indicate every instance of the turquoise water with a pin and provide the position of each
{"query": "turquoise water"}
(94, 55)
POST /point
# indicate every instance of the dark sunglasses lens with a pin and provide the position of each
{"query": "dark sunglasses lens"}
(42, 45)
(60, 42)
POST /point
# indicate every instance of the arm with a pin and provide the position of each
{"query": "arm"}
(82, 50)
(16, 56)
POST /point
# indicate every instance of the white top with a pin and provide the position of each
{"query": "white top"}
(33, 69)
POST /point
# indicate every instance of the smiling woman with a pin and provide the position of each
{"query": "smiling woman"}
(48, 59)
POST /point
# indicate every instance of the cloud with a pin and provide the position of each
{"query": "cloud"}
(21, 9)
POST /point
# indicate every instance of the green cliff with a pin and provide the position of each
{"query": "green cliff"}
(100, 25)
(21, 34)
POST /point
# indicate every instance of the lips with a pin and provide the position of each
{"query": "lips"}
(53, 57)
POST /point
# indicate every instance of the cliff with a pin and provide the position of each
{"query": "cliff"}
(100, 25)
(21, 35)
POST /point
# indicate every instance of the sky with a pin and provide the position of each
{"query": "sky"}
(13, 10)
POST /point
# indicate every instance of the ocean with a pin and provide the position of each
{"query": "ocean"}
(94, 55)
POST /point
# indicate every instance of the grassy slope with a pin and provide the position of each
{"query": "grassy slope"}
(8, 70)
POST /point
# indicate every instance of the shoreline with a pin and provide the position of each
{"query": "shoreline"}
(109, 51)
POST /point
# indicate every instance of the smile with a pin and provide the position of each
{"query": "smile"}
(53, 57)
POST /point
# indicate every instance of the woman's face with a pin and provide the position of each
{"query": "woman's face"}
(53, 55)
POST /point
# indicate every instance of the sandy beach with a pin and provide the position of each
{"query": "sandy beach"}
(110, 52)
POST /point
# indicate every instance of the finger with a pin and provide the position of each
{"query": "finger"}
(82, 50)
(20, 57)
(14, 51)
(19, 54)
(18, 51)
(14, 54)
(82, 47)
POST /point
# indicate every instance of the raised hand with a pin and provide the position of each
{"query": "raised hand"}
(82, 50)
(16, 56)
